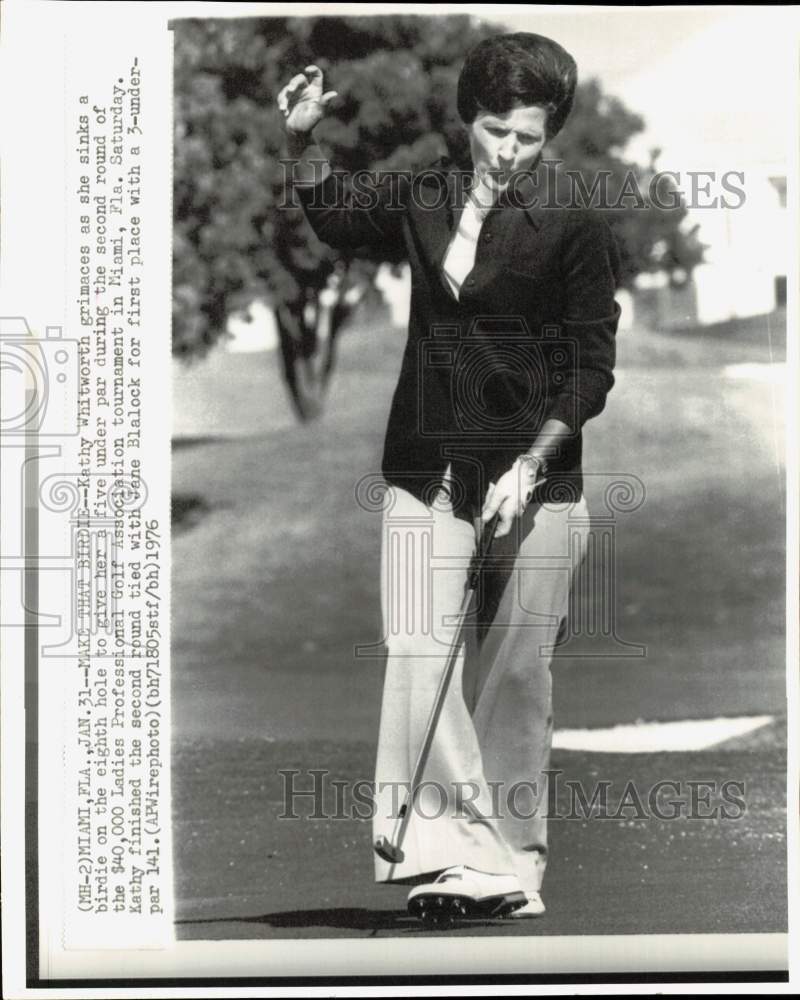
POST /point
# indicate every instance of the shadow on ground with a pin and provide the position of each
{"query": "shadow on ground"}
(187, 511)
(356, 918)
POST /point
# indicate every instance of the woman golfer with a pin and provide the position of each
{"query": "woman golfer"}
(510, 350)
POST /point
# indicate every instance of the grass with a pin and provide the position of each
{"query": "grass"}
(275, 577)
(243, 873)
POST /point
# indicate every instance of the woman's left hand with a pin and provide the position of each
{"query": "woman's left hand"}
(510, 495)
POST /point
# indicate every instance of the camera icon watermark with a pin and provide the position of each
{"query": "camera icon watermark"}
(40, 381)
(498, 378)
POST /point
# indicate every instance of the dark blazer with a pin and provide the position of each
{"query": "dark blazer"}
(532, 335)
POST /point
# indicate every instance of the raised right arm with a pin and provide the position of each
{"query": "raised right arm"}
(371, 215)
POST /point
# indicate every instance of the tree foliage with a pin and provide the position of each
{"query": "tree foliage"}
(235, 241)
(642, 205)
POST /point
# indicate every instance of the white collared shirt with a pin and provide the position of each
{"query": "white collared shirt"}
(460, 256)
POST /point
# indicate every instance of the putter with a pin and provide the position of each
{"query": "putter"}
(392, 850)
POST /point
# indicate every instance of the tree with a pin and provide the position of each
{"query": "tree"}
(643, 205)
(235, 241)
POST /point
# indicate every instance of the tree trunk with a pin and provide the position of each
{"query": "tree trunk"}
(308, 349)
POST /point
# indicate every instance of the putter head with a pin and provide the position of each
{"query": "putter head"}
(385, 849)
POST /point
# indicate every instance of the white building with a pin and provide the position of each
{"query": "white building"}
(714, 87)
(746, 237)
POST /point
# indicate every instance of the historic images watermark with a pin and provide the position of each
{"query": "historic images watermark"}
(94, 508)
(46, 369)
(550, 186)
(315, 795)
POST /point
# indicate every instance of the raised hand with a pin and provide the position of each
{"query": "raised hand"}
(303, 102)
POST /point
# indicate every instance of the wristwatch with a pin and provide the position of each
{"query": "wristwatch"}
(536, 468)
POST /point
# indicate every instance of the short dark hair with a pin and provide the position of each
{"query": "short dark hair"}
(520, 68)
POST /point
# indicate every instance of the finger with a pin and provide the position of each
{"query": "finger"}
(328, 97)
(507, 515)
(283, 100)
(528, 497)
(314, 74)
(296, 83)
(503, 526)
(496, 503)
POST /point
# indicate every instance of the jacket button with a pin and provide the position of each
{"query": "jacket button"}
(487, 238)
(470, 281)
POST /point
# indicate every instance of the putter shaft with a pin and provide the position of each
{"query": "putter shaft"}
(392, 851)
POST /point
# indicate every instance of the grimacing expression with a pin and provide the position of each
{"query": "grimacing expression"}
(502, 144)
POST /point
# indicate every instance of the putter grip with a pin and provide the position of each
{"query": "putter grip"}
(484, 545)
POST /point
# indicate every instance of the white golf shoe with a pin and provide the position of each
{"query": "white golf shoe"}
(533, 908)
(462, 893)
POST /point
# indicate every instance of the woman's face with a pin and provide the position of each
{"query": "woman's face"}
(502, 144)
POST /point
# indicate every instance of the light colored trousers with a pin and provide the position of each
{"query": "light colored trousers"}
(483, 800)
